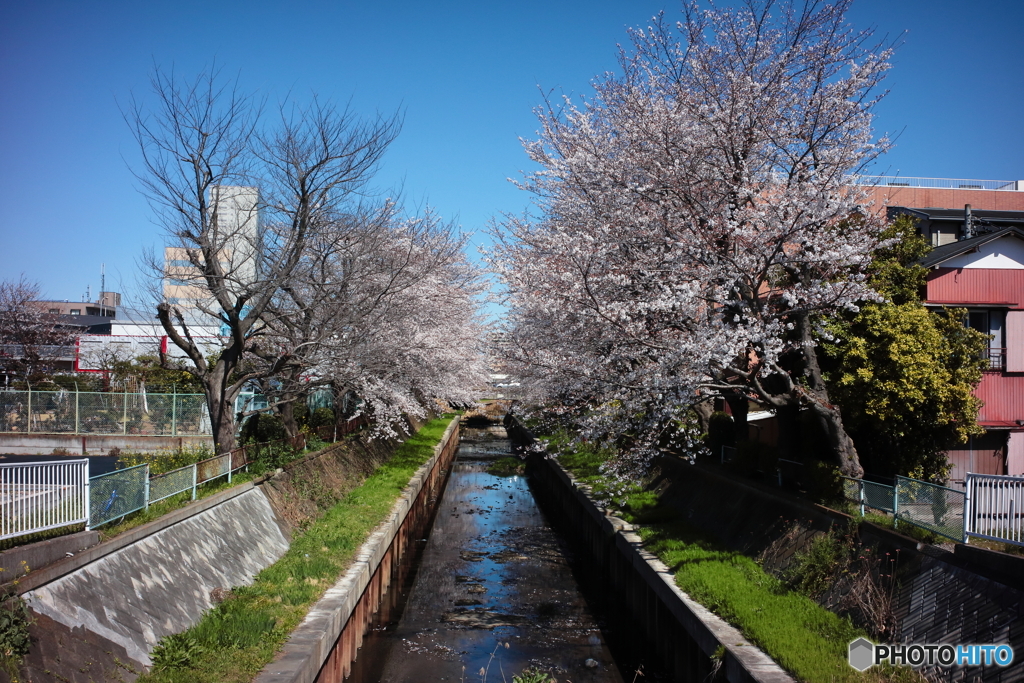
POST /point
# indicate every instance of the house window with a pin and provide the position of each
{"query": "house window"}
(991, 322)
(55, 311)
(76, 311)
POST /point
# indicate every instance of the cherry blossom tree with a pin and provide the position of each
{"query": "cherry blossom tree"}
(383, 308)
(696, 220)
(32, 341)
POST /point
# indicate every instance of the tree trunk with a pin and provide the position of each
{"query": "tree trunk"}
(287, 413)
(222, 420)
(703, 410)
(788, 417)
(844, 453)
(740, 406)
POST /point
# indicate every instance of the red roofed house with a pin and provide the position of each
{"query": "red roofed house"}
(977, 229)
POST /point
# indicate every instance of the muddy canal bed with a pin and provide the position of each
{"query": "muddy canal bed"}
(493, 592)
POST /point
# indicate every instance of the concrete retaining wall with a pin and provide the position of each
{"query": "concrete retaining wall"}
(682, 632)
(94, 444)
(970, 595)
(99, 613)
(323, 647)
(15, 562)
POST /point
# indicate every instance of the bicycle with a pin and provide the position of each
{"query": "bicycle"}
(115, 508)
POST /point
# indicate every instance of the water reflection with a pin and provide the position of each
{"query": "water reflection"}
(492, 573)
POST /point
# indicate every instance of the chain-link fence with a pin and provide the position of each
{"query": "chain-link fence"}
(930, 506)
(115, 494)
(118, 493)
(83, 412)
(868, 494)
(170, 483)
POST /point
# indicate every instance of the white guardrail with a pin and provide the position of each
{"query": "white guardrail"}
(43, 495)
(995, 507)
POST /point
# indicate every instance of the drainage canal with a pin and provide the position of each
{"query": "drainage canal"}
(492, 591)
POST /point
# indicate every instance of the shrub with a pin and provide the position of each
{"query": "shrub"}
(321, 417)
(14, 634)
(721, 432)
(165, 461)
(262, 427)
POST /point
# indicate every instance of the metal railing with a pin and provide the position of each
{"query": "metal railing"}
(996, 358)
(43, 495)
(128, 490)
(936, 508)
(995, 507)
(869, 494)
(35, 497)
(86, 412)
(936, 183)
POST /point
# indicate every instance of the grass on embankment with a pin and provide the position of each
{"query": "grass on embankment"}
(236, 639)
(801, 636)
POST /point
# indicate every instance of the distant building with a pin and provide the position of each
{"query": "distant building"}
(235, 217)
(105, 306)
(977, 229)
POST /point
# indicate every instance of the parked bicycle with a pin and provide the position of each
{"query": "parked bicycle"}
(115, 508)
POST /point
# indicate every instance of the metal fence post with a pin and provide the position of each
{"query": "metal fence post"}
(195, 476)
(174, 410)
(88, 501)
(77, 421)
(861, 487)
(124, 413)
(145, 493)
(968, 498)
(28, 415)
(896, 503)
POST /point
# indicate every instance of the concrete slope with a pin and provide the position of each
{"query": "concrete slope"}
(161, 584)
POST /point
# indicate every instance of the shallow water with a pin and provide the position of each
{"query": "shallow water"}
(491, 573)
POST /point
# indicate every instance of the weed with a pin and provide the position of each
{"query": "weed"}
(14, 633)
(506, 467)
(164, 461)
(532, 676)
(817, 568)
(176, 651)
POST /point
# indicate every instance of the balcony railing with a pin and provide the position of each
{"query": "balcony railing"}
(938, 183)
(996, 358)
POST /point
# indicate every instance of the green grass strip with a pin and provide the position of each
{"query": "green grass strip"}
(236, 639)
(803, 637)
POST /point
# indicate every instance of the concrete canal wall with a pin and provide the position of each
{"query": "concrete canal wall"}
(101, 611)
(324, 646)
(98, 614)
(681, 632)
(969, 595)
(94, 444)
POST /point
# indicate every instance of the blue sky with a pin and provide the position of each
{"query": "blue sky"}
(467, 76)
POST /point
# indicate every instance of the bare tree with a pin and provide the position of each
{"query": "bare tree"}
(240, 203)
(31, 339)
